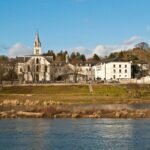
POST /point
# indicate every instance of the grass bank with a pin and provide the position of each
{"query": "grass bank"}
(73, 101)
(77, 94)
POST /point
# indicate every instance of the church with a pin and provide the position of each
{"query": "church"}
(37, 68)
(34, 68)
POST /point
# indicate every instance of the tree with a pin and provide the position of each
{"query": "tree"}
(136, 71)
(32, 69)
(66, 71)
(112, 55)
(75, 70)
(61, 56)
(76, 73)
(12, 70)
(96, 57)
(50, 53)
(120, 55)
(3, 67)
(142, 45)
(53, 72)
(82, 57)
(73, 55)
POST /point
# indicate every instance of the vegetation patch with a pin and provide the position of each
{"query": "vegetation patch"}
(64, 89)
(110, 90)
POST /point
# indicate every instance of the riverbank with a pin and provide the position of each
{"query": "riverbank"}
(16, 109)
(74, 101)
(52, 112)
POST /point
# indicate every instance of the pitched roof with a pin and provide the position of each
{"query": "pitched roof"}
(22, 59)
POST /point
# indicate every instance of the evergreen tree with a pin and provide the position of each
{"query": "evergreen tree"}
(96, 57)
(82, 57)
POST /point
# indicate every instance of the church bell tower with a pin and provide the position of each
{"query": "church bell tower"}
(37, 45)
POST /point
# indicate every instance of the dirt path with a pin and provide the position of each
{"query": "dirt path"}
(90, 88)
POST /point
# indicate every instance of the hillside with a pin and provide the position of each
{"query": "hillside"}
(136, 55)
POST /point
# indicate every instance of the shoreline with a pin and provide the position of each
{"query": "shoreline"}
(121, 114)
(75, 101)
(73, 111)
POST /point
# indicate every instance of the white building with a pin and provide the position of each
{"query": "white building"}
(34, 68)
(113, 70)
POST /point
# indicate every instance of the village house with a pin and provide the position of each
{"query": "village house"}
(112, 70)
(72, 72)
(37, 68)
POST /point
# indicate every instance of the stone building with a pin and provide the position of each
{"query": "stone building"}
(34, 68)
(37, 68)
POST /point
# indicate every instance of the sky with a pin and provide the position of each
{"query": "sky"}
(86, 26)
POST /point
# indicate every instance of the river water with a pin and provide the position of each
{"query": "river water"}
(75, 134)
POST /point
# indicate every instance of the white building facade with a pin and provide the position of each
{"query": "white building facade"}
(113, 70)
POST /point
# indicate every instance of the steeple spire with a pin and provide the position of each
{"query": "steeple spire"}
(37, 42)
(37, 45)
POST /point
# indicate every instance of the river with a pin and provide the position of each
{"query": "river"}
(75, 134)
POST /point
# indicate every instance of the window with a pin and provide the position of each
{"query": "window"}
(114, 77)
(37, 61)
(114, 71)
(45, 68)
(119, 66)
(28, 68)
(37, 68)
(37, 52)
(114, 66)
(125, 66)
(126, 71)
(20, 69)
(119, 70)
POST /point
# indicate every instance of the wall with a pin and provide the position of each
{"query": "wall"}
(111, 70)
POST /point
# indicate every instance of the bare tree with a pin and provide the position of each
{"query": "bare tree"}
(76, 73)
(32, 69)
(3, 68)
(66, 71)
(12, 70)
(45, 71)
(53, 71)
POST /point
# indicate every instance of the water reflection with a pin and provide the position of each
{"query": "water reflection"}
(72, 134)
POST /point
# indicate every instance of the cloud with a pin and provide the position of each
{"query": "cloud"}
(105, 50)
(132, 40)
(19, 49)
(80, 49)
